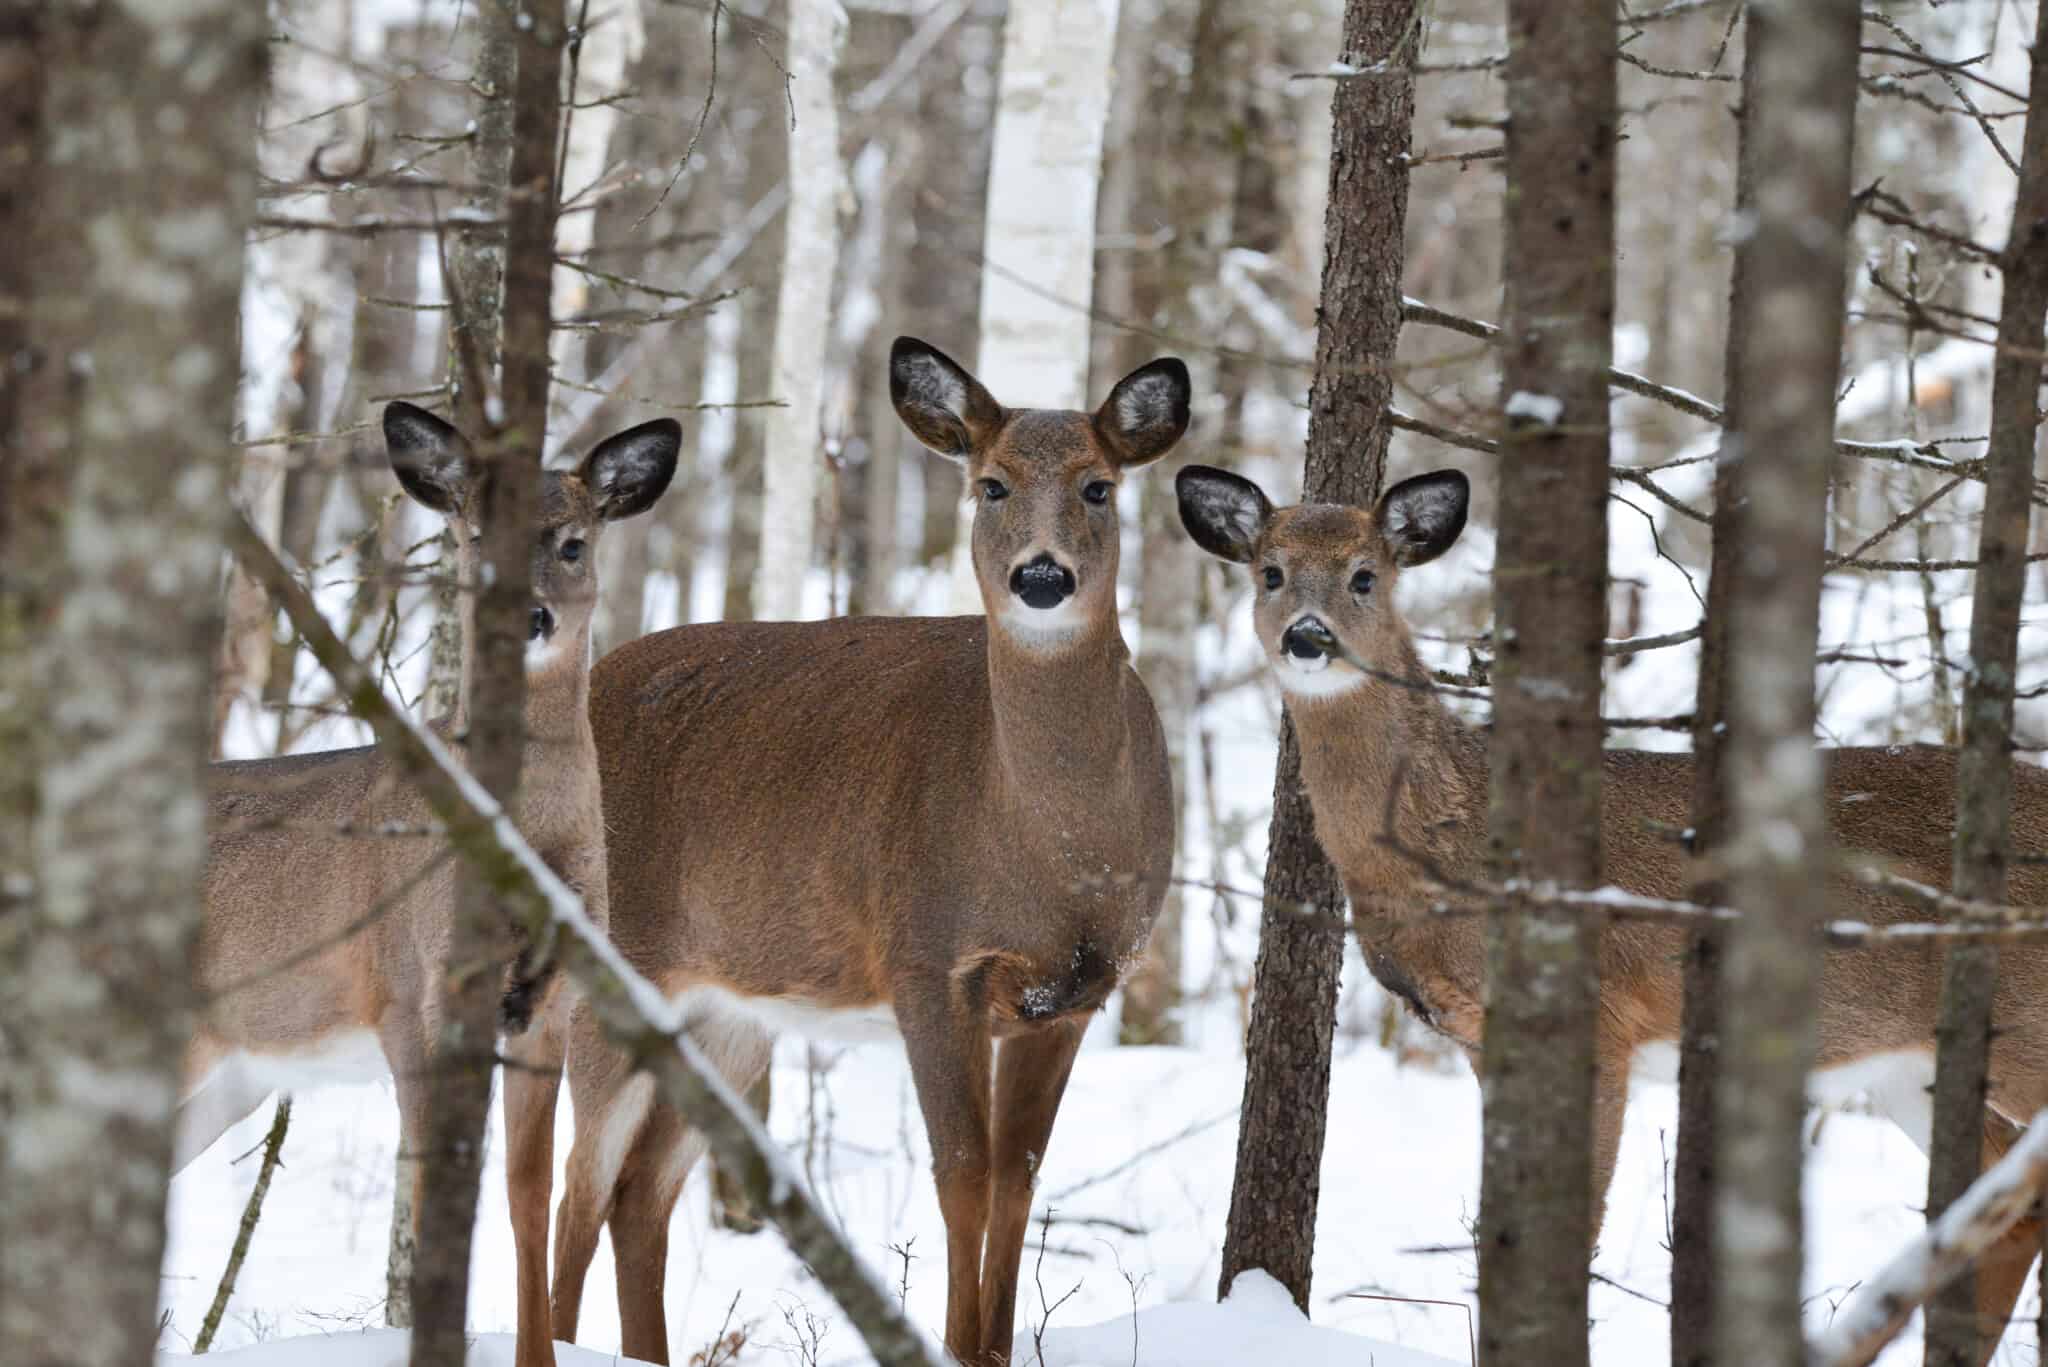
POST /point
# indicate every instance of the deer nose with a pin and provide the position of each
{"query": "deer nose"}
(1042, 582)
(1308, 639)
(541, 625)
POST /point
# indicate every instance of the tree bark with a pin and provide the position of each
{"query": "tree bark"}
(1692, 1201)
(1984, 768)
(1294, 990)
(794, 451)
(1802, 123)
(466, 1047)
(1550, 617)
(98, 954)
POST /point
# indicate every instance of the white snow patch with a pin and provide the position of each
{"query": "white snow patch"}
(1546, 410)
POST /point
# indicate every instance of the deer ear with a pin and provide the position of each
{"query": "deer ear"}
(430, 458)
(1421, 517)
(1146, 413)
(944, 407)
(1224, 513)
(627, 472)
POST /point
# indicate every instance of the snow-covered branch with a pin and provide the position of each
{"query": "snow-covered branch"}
(633, 1013)
(1969, 1226)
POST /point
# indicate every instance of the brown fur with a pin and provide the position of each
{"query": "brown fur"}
(1892, 802)
(295, 860)
(928, 817)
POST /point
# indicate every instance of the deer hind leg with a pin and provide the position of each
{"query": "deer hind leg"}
(2002, 1268)
(220, 1097)
(611, 1104)
(1610, 1107)
(948, 1044)
(533, 1081)
(1031, 1077)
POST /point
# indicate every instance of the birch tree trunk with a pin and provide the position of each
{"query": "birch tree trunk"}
(1984, 768)
(1801, 122)
(1039, 241)
(1294, 990)
(144, 325)
(1692, 1204)
(793, 454)
(465, 1052)
(1550, 617)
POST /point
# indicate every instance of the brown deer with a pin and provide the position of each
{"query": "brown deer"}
(328, 909)
(953, 830)
(1379, 748)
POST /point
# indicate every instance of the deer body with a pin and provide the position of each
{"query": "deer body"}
(1399, 787)
(329, 900)
(953, 830)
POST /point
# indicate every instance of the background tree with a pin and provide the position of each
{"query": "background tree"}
(1802, 115)
(98, 955)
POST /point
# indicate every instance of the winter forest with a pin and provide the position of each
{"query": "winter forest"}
(1071, 683)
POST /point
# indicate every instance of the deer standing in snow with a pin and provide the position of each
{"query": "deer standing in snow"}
(1379, 748)
(328, 909)
(955, 831)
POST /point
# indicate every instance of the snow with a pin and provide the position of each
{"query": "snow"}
(1546, 410)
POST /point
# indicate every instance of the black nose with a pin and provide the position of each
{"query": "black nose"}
(541, 625)
(1042, 582)
(1308, 639)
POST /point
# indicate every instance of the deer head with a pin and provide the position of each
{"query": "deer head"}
(623, 475)
(1324, 573)
(1044, 483)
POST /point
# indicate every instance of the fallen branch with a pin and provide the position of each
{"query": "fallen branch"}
(1971, 1224)
(273, 1144)
(632, 1012)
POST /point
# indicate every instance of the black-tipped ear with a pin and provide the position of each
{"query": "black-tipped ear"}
(1146, 413)
(944, 407)
(1223, 512)
(1422, 517)
(627, 472)
(430, 458)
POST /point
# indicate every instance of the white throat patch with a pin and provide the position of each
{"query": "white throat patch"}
(1314, 678)
(1042, 628)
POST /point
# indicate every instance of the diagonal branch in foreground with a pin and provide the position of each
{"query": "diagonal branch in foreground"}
(634, 1015)
(1971, 1224)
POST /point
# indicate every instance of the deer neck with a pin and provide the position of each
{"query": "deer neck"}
(1388, 752)
(1059, 715)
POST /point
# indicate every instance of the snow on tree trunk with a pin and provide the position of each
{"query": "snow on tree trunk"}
(1802, 124)
(1550, 616)
(1294, 990)
(150, 115)
(1983, 835)
(792, 456)
(1039, 240)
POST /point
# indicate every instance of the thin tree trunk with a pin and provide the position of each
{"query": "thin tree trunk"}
(1692, 1201)
(1802, 123)
(1984, 768)
(465, 1051)
(98, 955)
(793, 455)
(1294, 993)
(1550, 617)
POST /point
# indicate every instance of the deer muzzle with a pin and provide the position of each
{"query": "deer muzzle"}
(540, 625)
(1308, 639)
(1042, 582)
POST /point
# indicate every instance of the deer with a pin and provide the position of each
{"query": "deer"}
(327, 907)
(1398, 786)
(952, 831)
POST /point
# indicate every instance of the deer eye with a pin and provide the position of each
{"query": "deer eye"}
(1274, 579)
(1097, 491)
(572, 549)
(1361, 582)
(994, 490)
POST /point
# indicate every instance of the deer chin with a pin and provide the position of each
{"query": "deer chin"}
(1043, 628)
(545, 653)
(1314, 678)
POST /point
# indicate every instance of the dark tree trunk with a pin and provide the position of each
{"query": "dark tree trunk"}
(1692, 1201)
(97, 949)
(465, 1051)
(1550, 618)
(1301, 939)
(1800, 119)
(1984, 768)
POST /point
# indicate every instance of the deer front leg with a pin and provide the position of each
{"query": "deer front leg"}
(1610, 1104)
(533, 1080)
(947, 1039)
(1031, 1077)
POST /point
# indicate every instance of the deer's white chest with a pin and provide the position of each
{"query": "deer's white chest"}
(795, 1015)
